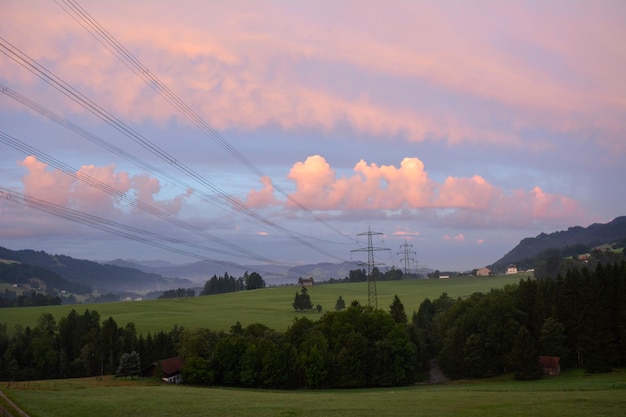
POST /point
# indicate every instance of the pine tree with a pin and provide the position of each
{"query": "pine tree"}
(130, 365)
(397, 311)
(340, 304)
(302, 301)
(524, 356)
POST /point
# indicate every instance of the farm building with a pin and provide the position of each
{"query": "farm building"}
(306, 282)
(169, 370)
(551, 365)
(511, 269)
(483, 272)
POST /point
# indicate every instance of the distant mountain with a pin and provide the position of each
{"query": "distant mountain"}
(578, 239)
(202, 271)
(323, 271)
(102, 277)
(134, 263)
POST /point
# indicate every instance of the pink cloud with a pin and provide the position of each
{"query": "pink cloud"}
(371, 187)
(263, 198)
(93, 200)
(59, 188)
(474, 193)
(408, 187)
(146, 188)
(244, 70)
(53, 186)
(406, 233)
(457, 238)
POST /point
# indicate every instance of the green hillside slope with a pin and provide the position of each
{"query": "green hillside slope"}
(270, 306)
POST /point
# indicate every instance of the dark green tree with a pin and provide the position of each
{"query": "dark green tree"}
(552, 340)
(130, 365)
(313, 359)
(253, 281)
(340, 304)
(302, 301)
(198, 371)
(44, 347)
(525, 356)
(250, 373)
(397, 311)
(110, 345)
(393, 275)
(197, 343)
(357, 275)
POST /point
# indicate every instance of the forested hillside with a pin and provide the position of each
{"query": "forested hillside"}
(24, 274)
(577, 317)
(572, 241)
(98, 276)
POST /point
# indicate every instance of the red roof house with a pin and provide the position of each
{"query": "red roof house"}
(168, 369)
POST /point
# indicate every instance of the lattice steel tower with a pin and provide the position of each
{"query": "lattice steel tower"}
(372, 296)
(406, 252)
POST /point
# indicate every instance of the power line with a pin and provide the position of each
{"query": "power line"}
(99, 32)
(406, 252)
(237, 251)
(122, 196)
(134, 160)
(44, 74)
(372, 295)
(118, 229)
(121, 153)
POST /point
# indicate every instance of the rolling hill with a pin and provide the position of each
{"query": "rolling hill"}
(274, 275)
(101, 277)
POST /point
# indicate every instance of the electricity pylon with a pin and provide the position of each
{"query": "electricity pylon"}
(407, 256)
(372, 296)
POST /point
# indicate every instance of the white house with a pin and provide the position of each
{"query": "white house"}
(511, 269)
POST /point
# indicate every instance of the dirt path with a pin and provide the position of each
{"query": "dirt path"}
(436, 374)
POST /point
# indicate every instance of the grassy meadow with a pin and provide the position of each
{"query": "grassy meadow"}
(572, 393)
(270, 306)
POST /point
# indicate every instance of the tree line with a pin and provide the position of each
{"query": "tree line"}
(10, 298)
(579, 316)
(358, 347)
(228, 283)
(77, 345)
(178, 293)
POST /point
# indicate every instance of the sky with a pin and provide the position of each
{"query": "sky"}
(273, 132)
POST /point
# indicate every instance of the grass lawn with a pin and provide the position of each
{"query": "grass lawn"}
(573, 394)
(270, 306)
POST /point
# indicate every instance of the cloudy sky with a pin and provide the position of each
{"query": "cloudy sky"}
(279, 131)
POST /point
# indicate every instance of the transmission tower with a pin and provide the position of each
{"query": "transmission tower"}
(406, 252)
(372, 296)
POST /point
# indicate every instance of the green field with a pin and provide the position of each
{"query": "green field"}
(270, 306)
(572, 394)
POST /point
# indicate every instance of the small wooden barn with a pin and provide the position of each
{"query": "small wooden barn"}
(169, 370)
(551, 365)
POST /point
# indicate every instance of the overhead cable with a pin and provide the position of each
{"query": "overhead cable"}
(49, 77)
(100, 33)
